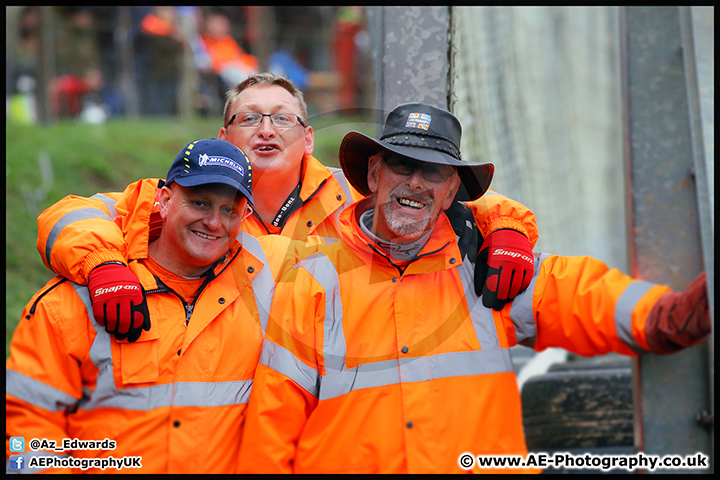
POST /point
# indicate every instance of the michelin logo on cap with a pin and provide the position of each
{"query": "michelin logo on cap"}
(206, 160)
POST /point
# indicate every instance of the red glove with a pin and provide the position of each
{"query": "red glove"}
(679, 320)
(118, 301)
(504, 267)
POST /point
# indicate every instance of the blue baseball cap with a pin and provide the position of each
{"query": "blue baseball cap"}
(212, 161)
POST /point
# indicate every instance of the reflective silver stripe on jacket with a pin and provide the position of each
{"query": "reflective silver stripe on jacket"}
(180, 394)
(414, 369)
(521, 311)
(263, 284)
(76, 215)
(340, 380)
(324, 272)
(109, 203)
(481, 316)
(345, 186)
(283, 361)
(36, 392)
(329, 240)
(623, 312)
(67, 219)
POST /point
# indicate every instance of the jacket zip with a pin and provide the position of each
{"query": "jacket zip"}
(209, 277)
(34, 305)
(165, 289)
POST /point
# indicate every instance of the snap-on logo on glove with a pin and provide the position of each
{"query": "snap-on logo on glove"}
(500, 251)
(102, 291)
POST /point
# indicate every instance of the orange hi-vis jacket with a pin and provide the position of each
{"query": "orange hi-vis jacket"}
(71, 244)
(367, 367)
(177, 396)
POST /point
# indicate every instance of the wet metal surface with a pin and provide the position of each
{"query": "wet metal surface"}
(664, 231)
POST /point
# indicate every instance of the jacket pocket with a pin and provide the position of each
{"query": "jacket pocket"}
(140, 362)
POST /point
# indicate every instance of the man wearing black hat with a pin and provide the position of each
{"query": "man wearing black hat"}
(379, 357)
(174, 398)
(413, 143)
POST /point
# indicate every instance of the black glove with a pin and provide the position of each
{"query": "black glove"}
(463, 223)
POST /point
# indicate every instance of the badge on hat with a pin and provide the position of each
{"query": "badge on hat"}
(418, 120)
(207, 160)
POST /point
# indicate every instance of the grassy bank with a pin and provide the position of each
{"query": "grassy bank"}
(46, 163)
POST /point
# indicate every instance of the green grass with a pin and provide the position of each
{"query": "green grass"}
(87, 159)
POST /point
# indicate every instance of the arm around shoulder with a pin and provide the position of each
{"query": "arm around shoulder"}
(77, 233)
(494, 211)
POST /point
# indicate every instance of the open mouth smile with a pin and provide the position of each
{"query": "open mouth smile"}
(407, 202)
(206, 237)
(265, 148)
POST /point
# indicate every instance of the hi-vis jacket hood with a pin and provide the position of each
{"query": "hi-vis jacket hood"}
(177, 396)
(367, 369)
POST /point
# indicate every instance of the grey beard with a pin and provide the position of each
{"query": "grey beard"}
(396, 251)
(401, 227)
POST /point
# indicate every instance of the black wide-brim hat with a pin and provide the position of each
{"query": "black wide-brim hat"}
(421, 132)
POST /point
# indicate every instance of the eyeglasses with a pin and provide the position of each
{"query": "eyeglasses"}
(253, 119)
(430, 172)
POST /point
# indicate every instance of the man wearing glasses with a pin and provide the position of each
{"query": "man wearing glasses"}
(280, 148)
(295, 196)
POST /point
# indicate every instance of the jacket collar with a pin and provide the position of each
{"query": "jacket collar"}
(313, 175)
(441, 251)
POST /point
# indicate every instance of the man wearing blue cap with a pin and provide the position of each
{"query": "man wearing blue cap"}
(207, 194)
(173, 399)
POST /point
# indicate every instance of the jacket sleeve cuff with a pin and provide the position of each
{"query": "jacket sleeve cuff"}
(498, 223)
(99, 257)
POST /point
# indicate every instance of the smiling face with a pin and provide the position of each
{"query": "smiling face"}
(269, 148)
(200, 225)
(407, 206)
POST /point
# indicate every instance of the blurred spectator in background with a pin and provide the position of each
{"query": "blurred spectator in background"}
(22, 67)
(78, 63)
(285, 65)
(133, 60)
(209, 96)
(229, 61)
(109, 37)
(350, 23)
(26, 47)
(161, 42)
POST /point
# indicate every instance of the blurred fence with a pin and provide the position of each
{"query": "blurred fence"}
(537, 90)
(92, 63)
